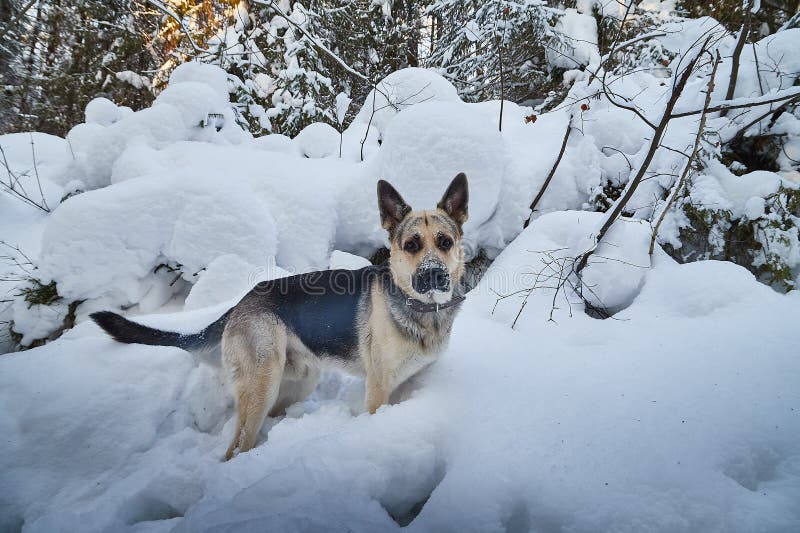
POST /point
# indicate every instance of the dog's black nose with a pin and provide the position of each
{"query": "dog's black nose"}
(435, 278)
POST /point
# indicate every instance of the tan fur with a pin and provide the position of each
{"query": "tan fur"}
(390, 356)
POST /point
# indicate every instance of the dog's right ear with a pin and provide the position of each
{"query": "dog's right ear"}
(391, 205)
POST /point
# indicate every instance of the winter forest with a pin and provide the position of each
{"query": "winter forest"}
(627, 356)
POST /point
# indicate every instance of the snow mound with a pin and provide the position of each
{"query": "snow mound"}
(194, 106)
(211, 76)
(616, 270)
(402, 89)
(341, 259)
(353, 138)
(318, 140)
(427, 145)
(275, 142)
(106, 242)
(543, 254)
(49, 153)
(97, 148)
(103, 111)
(699, 289)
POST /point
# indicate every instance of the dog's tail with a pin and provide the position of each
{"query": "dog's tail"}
(127, 331)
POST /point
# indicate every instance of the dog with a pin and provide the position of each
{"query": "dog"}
(384, 322)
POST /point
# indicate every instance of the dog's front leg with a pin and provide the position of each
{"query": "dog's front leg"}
(377, 384)
(377, 395)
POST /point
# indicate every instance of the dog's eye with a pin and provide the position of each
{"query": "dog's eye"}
(444, 243)
(411, 246)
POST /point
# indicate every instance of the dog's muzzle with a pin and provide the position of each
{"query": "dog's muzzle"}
(434, 277)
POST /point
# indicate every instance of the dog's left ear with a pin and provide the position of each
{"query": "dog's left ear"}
(455, 199)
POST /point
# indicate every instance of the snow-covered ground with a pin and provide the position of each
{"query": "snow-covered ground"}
(681, 414)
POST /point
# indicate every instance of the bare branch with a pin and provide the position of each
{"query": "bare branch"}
(654, 144)
(788, 96)
(737, 55)
(679, 184)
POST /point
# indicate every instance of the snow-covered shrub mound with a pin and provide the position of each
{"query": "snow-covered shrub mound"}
(427, 145)
(275, 142)
(616, 270)
(402, 89)
(318, 140)
(105, 242)
(541, 258)
(753, 218)
(195, 106)
(23, 151)
(213, 77)
(360, 142)
(104, 112)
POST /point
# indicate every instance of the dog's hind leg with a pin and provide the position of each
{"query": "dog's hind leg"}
(299, 380)
(255, 358)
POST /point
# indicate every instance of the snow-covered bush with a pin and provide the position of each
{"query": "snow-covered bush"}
(426, 146)
(751, 219)
(194, 106)
(400, 90)
(318, 140)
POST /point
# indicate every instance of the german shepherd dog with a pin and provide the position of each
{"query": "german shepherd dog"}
(385, 322)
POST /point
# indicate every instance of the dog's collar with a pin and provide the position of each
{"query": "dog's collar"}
(422, 307)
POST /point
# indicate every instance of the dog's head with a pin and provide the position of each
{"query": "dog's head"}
(426, 259)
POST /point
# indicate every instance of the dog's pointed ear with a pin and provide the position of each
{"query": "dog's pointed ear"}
(455, 199)
(391, 205)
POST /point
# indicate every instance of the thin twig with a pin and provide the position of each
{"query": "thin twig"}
(36, 173)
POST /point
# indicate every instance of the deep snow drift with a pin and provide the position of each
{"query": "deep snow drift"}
(682, 414)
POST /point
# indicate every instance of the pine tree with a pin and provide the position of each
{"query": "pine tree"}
(68, 53)
(479, 44)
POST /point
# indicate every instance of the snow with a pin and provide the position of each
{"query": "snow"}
(226, 279)
(674, 418)
(102, 111)
(49, 153)
(720, 188)
(20, 224)
(318, 140)
(579, 31)
(137, 80)
(420, 155)
(37, 321)
(133, 228)
(342, 103)
(195, 97)
(400, 90)
(341, 259)
(275, 142)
